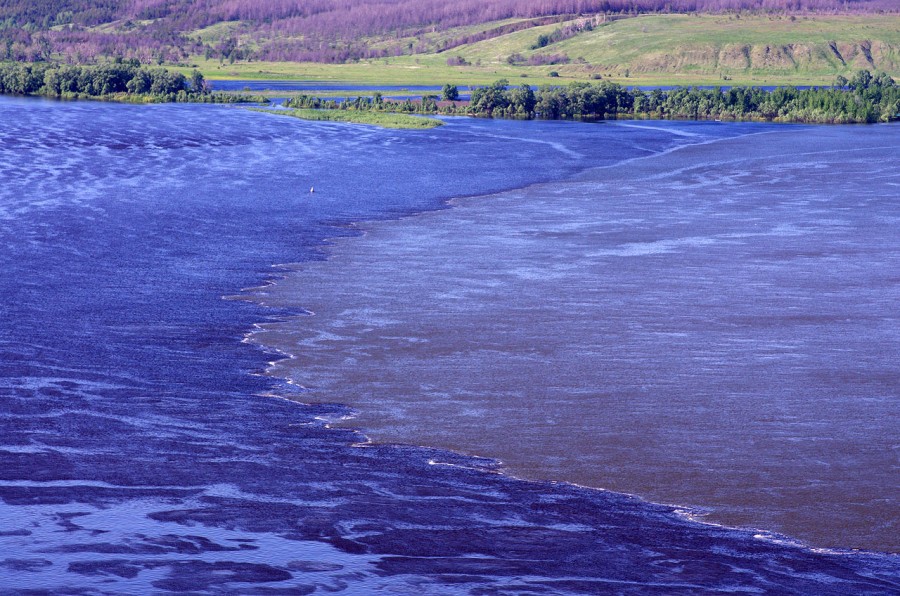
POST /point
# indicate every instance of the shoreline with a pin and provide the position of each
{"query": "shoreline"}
(865, 98)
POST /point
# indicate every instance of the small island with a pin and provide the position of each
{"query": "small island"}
(382, 119)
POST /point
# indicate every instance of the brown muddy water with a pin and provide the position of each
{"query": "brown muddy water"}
(715, 327)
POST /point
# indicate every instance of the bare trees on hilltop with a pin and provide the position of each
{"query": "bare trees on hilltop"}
(157, 31)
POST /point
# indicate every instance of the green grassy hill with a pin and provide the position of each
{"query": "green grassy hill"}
(653, 49)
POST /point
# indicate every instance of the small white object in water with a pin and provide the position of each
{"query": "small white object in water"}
(312, 190)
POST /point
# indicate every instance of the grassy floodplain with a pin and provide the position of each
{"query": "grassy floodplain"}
(382, 119)
(674, 49)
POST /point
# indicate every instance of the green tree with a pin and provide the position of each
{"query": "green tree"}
(522, 100)
(883, 79)
(429, 104)
(198, 83)
(52, 83)
(450, 92)
(140, 82)
(487, 99)
(861, 80)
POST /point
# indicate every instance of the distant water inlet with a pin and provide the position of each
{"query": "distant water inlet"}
(714, 327)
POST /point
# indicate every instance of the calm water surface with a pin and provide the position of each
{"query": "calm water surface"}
(142, 450)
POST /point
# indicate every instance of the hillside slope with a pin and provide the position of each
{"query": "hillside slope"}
(708, 47)
(644, 50)
(467, 40)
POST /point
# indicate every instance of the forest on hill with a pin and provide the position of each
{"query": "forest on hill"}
(171, 31)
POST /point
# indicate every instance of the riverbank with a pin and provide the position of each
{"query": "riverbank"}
(866, 98)
(119, 81)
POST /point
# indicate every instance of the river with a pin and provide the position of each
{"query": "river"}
(149, 443)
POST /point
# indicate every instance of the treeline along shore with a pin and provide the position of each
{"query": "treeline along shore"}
(121, 81)
(865, 98)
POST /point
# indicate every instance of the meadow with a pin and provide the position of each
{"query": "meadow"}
(650, 50)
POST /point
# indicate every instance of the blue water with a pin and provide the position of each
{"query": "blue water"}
(226, 85)
(142, 452)
(400, 92)
(396, 92)
(236, 85)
